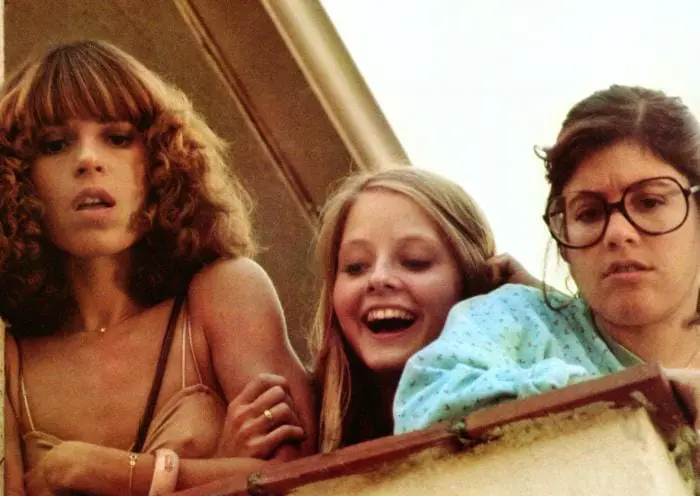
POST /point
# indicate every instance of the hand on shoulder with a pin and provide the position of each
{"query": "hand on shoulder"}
(506, 269)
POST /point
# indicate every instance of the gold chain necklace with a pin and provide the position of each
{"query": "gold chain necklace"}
(103, 329)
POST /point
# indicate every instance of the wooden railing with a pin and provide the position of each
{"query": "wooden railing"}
(625, 433)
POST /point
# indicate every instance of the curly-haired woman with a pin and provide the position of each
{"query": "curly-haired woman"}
(136, 318)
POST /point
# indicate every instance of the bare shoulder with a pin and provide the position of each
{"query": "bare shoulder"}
(229, 275)
(237, 291)
(235, 305)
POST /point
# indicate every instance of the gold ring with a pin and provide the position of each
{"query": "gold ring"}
(268, 415)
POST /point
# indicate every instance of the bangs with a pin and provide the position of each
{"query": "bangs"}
(85, 81)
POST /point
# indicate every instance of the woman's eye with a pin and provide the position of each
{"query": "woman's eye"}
(53, 146)
(353, 268)
(417, 264)
(589, 215)
(120, 140)
(649, 202)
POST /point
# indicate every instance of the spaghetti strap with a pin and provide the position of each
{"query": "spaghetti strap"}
(183, 357)
(188, 324)
(149, 410)
(23, 390)
(187, 337)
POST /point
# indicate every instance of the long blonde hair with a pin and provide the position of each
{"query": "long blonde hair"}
(466, 232)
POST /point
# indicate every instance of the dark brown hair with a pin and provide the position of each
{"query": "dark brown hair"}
(195, 210)
(661, 124)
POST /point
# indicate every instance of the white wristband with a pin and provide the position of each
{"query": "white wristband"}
(164, 472)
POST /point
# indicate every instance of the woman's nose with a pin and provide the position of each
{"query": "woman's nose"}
(381, 277)
(88, 160)
(620, 230)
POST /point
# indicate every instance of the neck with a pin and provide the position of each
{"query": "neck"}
(100, 287)
(673, 342)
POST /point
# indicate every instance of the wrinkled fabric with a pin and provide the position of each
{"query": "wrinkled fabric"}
(505, 345)
(189, 423)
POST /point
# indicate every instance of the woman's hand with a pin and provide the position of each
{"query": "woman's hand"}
(260, 419)
(49, 477)
(36, 481)
(506, 269)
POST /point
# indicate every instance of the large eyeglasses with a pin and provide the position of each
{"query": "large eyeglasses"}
(654, 206)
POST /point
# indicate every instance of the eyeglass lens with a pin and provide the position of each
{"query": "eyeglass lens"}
(654, 206)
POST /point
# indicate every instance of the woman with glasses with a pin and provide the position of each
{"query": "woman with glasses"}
(623, 209)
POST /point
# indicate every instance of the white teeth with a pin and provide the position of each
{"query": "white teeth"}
(627, 268)
(389, 313)
(92, 202)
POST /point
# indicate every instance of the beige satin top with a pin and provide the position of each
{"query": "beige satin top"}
(189, 423)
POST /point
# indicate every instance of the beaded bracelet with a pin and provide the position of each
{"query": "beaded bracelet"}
(165, 472)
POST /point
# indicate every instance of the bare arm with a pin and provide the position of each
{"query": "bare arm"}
(13, 456)
(91, 469)
(237, 306)
(14, 470)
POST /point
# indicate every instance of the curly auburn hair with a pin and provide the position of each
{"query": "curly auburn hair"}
(195, 211)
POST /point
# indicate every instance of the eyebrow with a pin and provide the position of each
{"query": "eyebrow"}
(56, 129)
(583, 192)
(412, 238)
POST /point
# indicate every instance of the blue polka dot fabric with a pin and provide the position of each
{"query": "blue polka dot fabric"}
(504, 345)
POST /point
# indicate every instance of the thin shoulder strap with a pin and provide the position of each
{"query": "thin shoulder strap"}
(23, 390)
(158, 378)
(183, 353)
(194, 357)
(187, 337)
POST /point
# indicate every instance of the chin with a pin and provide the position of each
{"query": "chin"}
(96, 249)
(386, 365)
(630, 314)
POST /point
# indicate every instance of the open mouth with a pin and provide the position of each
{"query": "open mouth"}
(93, 199)
(93, 203)
(389, 320)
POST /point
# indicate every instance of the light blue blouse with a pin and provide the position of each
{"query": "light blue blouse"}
(504, 345)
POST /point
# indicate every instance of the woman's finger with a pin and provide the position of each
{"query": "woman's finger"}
(279, 414)
(239, 413)
(265, 446)
(258, 386)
